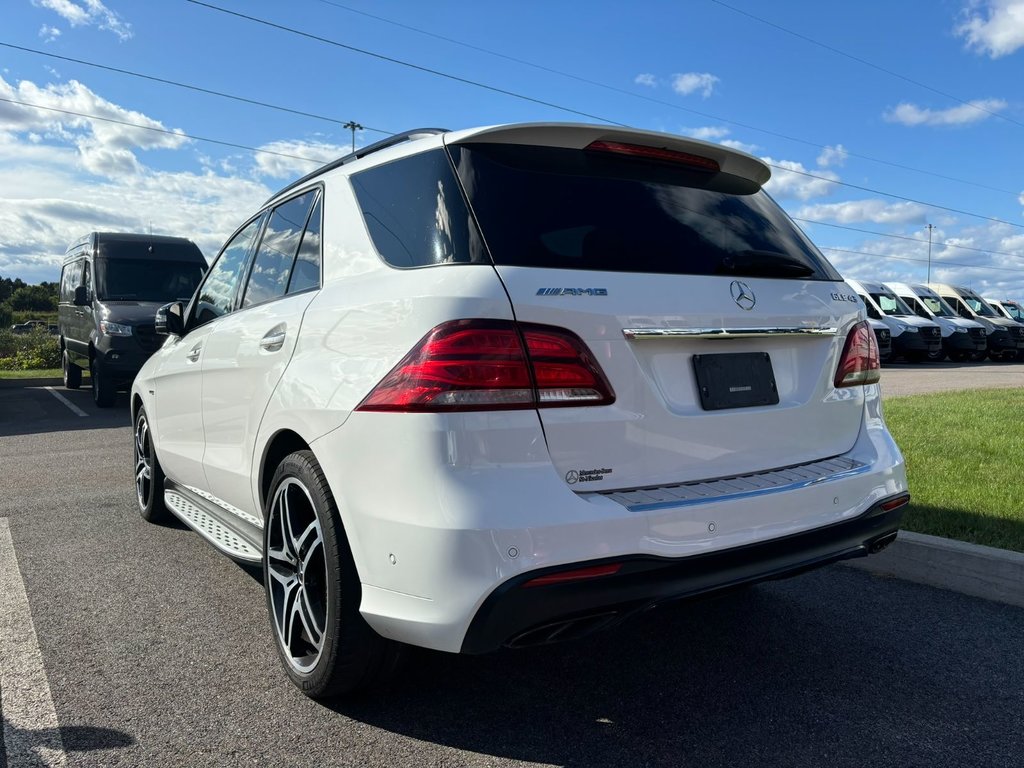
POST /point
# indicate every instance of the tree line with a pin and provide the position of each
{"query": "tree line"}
(18, 296)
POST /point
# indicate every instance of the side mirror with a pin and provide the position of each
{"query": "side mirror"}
(170, 319)
(81, 296)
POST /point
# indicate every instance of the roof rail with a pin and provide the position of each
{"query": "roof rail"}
(360, 153)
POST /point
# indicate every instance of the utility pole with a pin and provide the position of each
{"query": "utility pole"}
(930, 228)
(354, 126)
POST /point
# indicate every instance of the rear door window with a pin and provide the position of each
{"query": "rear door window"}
(573, 209)
(273, 263)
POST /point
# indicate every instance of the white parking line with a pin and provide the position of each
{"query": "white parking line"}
(31, 734)
(74, 408)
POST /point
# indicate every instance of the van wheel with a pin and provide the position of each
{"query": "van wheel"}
(102, 388)
(72, 373)
(149, 477)
(313, 589)
(937, 356)
(977, 357)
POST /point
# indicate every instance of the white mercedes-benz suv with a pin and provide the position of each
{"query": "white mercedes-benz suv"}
(504, 386)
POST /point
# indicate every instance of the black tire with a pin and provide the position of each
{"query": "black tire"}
(323, 594)
(103, 392)
(977, 357)
(72, 373)
(959, 356)
(149, 477)
(937, 357)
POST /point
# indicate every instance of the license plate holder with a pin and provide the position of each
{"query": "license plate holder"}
(735, 380)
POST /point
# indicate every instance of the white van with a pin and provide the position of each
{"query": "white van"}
(914, 338)
(961, 339)
(1007, 308)
(1005, 337)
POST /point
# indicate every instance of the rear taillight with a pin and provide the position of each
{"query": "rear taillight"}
(655, 153)
(859, 364)
(476, 365)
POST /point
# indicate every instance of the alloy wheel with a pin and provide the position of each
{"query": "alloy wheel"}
(143, 462)
(297, 571)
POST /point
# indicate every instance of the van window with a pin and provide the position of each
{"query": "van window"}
(960, 307)
(915, 304)
(571, 209)
(873, 313)
(273, 263)
(938, 307)
(980, 307)
(70, 278)
(217, 294)
(415, 212)
(891, 304)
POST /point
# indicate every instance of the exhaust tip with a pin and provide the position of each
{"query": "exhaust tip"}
(881, 543)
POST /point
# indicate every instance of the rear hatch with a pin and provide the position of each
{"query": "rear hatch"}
(670, 268)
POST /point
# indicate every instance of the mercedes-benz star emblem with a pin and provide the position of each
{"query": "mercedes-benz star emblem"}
(742, 295)
(572, 476)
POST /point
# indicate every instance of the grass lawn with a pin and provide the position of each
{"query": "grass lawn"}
(965, 464)
(48, 373)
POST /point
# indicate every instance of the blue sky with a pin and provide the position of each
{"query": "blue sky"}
(904, 103)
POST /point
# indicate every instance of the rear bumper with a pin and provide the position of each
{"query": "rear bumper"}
(518, 614)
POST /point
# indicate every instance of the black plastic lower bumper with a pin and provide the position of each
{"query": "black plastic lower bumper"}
(517, 615)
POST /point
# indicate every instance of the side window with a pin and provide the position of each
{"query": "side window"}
(217, 294)
(415, 213)
(872, 312)
(959, 306)
(273, 263)
(69, 280)
(87, 277)
(306, 272)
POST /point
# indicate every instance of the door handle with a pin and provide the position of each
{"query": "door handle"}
(193, 354)
(273, 341)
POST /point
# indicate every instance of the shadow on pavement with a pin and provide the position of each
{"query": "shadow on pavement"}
(35, 410)
(25, 747)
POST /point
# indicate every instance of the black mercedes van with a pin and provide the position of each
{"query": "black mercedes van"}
(111, 286)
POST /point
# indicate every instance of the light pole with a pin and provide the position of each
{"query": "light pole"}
(930, 228)
(354, 126)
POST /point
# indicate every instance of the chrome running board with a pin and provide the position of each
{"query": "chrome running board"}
(225, 531)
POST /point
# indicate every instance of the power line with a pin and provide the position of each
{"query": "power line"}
(188, 86)
(865, 62)
(410, 65)
(893, 195)
(920, 261)
(662, 102)
(906, 237)
(570, 110)
(166, 131)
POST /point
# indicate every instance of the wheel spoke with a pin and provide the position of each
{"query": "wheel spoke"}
(305, 611)
(286, 611)
(303, 543)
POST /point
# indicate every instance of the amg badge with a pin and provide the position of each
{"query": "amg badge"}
(572, 291)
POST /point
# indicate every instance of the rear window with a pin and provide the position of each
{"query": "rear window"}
(572, 209)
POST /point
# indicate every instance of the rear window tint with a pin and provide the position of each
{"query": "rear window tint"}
(415, 212)
(571, 209)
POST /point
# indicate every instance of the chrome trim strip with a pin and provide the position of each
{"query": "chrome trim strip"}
(643, 334)
(732, 488)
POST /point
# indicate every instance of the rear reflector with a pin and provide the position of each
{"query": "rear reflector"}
(476, 365)
(859, 364)
(891, 504)
(580, 574)
(655, 153)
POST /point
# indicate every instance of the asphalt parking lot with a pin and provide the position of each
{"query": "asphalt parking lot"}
(146, 647)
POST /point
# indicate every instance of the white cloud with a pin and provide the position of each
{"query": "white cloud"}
(691, 82)
(791, 180)
(996, 30)
(972, 112)
(707, 133)
(88, 13)
(647, 79)
(279, 167)
(858, 211)
(741, 146)
(48, 34)
(832, 156)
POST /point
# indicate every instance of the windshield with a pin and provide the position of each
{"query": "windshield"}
(1014, 309)
(145, 280)
(939, 307)
(980, 306)
(571, 209)
(891, 304)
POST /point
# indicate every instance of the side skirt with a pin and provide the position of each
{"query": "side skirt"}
(228, 530)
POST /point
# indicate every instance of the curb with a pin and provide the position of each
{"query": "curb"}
(971, 569)
(25, 383)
